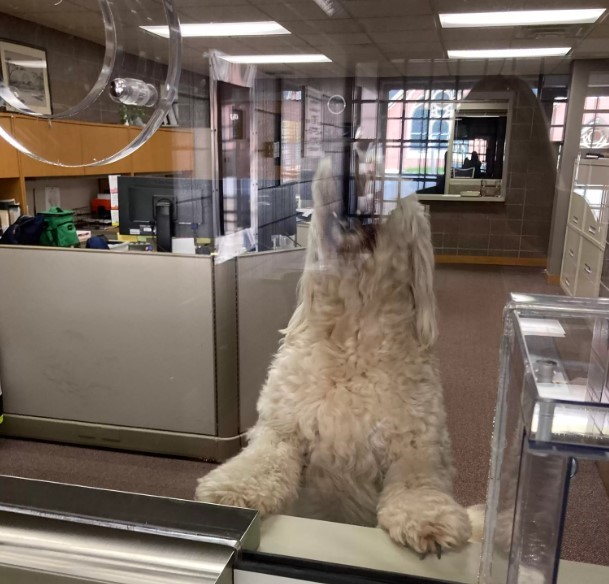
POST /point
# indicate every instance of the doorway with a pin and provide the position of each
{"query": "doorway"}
(234, 126)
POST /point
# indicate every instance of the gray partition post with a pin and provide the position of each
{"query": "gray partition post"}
(226, 348)
(267, 296)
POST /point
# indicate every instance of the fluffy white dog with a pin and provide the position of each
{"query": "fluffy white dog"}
(352, 425)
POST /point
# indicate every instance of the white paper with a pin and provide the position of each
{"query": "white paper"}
(52, 197)
(541, 327)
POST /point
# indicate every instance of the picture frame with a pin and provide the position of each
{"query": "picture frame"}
(312, 123)
(25, 70)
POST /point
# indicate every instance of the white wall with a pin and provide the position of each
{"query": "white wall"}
(74, 192)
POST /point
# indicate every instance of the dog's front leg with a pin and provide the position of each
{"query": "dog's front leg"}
(265, 476)
(415, 506)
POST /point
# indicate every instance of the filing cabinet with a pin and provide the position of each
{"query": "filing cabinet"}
(586, 235)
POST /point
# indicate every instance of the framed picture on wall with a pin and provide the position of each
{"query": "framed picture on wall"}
(312, 127)
(24, 70)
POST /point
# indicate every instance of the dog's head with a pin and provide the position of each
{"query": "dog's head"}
(400, 243)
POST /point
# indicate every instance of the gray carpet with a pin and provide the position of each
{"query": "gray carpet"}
(470, 301)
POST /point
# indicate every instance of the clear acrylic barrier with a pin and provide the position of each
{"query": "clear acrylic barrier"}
(167, 353)
(121, 75)
(552, 407)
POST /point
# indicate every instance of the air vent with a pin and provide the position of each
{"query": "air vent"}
(553, 31)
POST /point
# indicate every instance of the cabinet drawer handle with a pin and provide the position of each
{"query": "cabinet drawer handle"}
(575, 219)
(587, 269)
(568, 282)
(571, 252)
(592, 229)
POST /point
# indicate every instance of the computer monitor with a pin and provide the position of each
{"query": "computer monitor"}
(165, 208)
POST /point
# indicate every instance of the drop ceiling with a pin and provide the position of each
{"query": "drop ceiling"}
(394, 37)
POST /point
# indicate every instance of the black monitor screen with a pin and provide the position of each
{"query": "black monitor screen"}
(191, 201)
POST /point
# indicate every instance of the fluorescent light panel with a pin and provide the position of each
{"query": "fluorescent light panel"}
(223, 29)
(509, 53)
(521, 18)
(268, 59)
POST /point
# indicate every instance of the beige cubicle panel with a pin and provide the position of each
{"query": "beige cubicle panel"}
(161, 353)
(267, 285)
(112, 349)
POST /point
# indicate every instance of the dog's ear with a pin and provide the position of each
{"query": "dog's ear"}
(422, 265)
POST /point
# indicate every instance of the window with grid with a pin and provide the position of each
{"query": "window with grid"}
(291, 135)
(595, 123)
(418, 125)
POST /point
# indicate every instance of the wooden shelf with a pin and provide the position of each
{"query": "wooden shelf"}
(9, 161)
(168, 151)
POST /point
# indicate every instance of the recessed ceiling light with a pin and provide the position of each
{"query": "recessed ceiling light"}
(521, 18)
(266, 59)
(509, 53)
(222, 29)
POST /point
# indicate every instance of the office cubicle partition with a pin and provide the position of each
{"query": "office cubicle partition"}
(137, 351)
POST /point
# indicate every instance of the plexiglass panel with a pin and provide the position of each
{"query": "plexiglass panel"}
(225, 226)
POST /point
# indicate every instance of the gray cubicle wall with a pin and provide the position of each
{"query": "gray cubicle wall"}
(267, 284)
(139, 351)
(115, 349)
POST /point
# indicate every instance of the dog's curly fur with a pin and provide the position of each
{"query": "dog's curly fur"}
(352, 424)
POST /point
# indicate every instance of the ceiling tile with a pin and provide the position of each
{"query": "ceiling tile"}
(557, 66)
(354, 52)
(468, 34)
(207, 3)
(502, 5)
(38, 6)
(413, 36)
(222, 14)
(424, 22)
(294, 10)
(474, 68)
(379, 8)
(600, 31)
(357, 38)
(413, 51)
(340, 25)
(592, 47)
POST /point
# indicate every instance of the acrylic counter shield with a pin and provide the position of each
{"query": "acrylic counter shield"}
(552, 408)
(48, 125)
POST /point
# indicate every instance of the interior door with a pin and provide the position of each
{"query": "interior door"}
(234, 123)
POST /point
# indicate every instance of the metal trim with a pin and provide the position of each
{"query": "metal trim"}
(226, 348)
(321, 572)
(44, 547)
(144, 514)
(202, 447)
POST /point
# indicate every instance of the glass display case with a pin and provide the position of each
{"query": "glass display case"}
(552, 409)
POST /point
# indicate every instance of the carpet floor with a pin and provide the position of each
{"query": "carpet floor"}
(470, 301)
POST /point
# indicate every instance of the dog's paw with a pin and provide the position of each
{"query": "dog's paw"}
(428, 525)
(209, 493)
